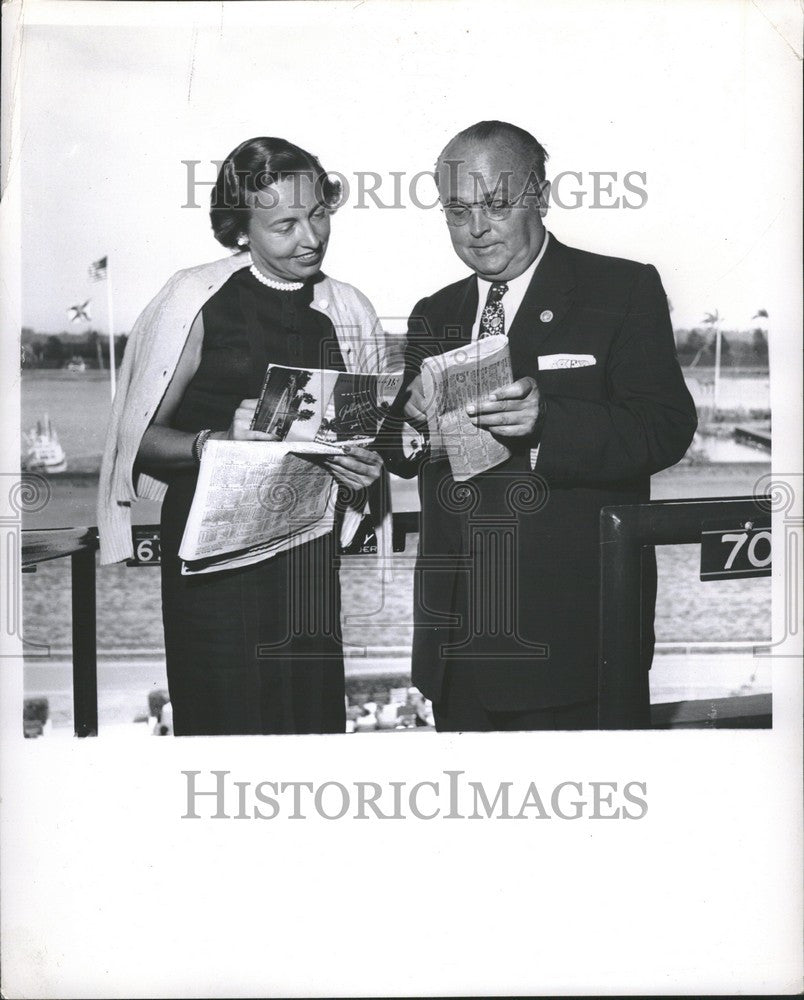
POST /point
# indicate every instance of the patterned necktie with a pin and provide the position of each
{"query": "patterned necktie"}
(492, 320)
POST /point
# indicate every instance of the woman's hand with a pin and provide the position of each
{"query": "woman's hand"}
(241, 424)
(357, 468)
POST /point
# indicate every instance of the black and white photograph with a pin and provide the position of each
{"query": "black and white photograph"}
(402, 421)
(284, 400)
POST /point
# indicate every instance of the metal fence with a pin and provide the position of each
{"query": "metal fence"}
(624, 697)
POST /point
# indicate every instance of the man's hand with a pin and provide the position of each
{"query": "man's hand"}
(512, 411)
(357, 468)
(415, 411)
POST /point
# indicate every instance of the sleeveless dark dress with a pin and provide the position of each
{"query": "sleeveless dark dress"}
(257, 649)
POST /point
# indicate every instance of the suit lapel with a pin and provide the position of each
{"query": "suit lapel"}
(545, 305)
(455, 329)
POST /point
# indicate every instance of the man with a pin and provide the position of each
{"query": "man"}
(507, 578)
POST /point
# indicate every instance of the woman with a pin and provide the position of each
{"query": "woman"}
(254, 649)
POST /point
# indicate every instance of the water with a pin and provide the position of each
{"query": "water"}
(727, 450)
(79, 405)
(737, 390)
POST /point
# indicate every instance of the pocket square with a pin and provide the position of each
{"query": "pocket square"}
(549, 362)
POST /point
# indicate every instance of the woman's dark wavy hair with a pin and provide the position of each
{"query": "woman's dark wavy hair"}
(253, 166)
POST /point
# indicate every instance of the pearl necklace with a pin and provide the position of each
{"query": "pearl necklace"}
(280, 286)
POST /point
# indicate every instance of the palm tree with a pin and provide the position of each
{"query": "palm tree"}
(763, 314)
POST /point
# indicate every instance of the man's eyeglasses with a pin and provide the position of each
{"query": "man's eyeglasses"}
(457, 214)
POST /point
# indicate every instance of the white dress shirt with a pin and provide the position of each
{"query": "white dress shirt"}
(511, 302)
(512, 299)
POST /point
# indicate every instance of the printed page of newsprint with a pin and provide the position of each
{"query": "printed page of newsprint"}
(454, 379)
(653, 850)
(253, 497)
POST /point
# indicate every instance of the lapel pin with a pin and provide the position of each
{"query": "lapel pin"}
(546, 316)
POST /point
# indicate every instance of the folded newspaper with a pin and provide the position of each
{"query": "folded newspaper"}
(452, 380)
(253, 500)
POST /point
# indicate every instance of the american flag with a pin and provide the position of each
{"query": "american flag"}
(97, 269)
(79, 313)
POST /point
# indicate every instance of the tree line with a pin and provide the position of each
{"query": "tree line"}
(55, 350)
(738, 348)
(695, 348)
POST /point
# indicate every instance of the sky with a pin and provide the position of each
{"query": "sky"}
(696, 96)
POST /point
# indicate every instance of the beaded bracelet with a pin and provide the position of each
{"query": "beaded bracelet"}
(201, 439)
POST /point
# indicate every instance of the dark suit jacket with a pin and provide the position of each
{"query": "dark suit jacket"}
(507, 574)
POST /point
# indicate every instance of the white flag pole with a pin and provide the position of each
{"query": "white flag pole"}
(110, 317)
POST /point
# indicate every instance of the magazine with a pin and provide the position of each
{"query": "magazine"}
(452, 380)
(324, 406)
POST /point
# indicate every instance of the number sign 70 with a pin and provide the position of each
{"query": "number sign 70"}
(728, 553)
(739, 539)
